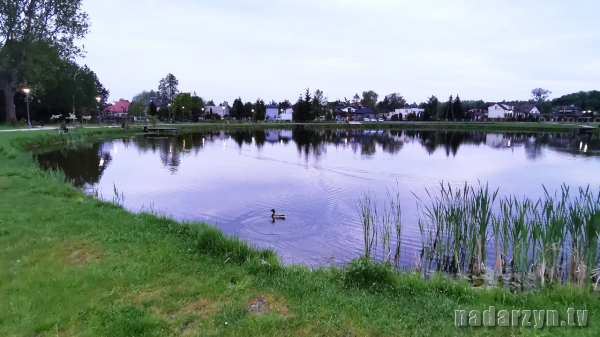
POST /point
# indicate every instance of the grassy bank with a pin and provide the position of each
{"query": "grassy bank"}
(75, 266)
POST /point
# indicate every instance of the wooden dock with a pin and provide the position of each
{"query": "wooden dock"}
(162, 131)
(583, 129)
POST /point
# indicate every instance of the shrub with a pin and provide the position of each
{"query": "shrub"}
(366, 274)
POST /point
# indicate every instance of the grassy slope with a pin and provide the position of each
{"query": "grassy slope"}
(72, 265)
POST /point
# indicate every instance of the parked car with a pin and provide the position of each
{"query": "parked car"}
(380, 120)
(366, 120)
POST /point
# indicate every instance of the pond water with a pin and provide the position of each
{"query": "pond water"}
(315, 177)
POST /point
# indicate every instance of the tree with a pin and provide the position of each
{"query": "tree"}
(167, 87)
(430, 108)
(182, 106)
(319, 104)
(259, 110)
(152, 109)
(303, 108)
(392, 102)
(457, 108)
(248, 107)
(25, 22)
(285, 105)
(197, 107)
(210, 103)
(449, 113)
(237, 110)
(540, 95)
(369, 100)
(355, 99)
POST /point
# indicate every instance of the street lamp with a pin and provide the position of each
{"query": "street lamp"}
(98, 99)
(26, 91)
(182, 114)
(169, 113)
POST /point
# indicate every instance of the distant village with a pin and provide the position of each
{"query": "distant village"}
(357, 112)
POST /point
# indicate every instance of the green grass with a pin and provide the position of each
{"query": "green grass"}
(72, 265)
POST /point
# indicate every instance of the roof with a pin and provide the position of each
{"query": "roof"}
(272, 106)
(364, 110)
(158, 101)
(527, 108)
(122, 106)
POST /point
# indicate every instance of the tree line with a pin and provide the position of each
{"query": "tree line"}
(37, 51)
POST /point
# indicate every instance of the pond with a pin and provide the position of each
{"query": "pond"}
(315, 177)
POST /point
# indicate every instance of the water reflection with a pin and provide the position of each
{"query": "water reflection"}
(85, 165)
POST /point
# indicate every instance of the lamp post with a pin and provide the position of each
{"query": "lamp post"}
(26, 91)
(169, 113)
(182, 114)
(98, 99)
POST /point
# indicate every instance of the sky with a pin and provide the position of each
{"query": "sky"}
(275, 49)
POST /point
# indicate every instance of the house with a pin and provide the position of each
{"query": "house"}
(286, 115)
(567, 111)
(478, 114)
(160, 102)
(119, 109)
(346, 108)
(272, 112)
(501, 110)
(363, 113)
(528, 110)
(405, 112)
(222, 110)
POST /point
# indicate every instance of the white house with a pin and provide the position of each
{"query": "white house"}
(504, 110)
(529, 109)
(405, 111)
(219, 110)
(286, 115)
(501, 110)
(272, 112)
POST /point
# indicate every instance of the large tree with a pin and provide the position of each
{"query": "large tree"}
(303, 108)
(457, 108)
(369, 100)
(168, 87)
(392, 102)
(182, 106)
(24, 23)
(430, 108)
(260, 111)
(237, 109)
(540, 95)
(319, 104)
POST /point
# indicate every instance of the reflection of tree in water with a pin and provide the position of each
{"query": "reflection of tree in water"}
(82, 165)
(308, 141)
(574, 144)
(241, 137)
(450, 141)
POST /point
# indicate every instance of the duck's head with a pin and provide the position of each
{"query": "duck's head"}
(273, 211)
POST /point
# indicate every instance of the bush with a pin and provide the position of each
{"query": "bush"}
(396, 117)
(366, 274)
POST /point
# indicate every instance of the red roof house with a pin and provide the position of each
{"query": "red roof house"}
(119, 108)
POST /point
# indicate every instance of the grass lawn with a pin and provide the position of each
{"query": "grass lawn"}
(71, 265)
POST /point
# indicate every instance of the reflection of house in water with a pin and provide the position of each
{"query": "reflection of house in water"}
(495, 140)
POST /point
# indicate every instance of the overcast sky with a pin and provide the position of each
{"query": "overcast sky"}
(490, 50)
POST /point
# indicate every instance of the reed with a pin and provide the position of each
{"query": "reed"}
(378, 229)
(458, 226)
